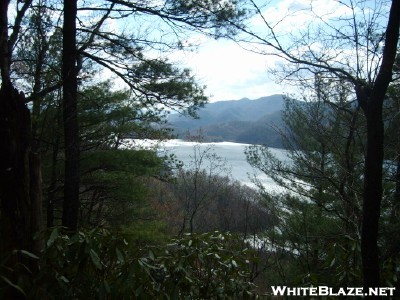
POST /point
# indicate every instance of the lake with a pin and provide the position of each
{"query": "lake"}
(231, 153)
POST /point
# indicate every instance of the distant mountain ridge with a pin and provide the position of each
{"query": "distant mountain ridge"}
(242, 121)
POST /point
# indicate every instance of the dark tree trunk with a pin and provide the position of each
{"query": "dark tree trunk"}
(70, 117)
(20, 186)
(5, 56)
(36, 197)
(51, 191)
(372, 195)
(371, 101)
(20, 189)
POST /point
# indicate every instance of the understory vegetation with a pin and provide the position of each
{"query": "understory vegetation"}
(103, 264)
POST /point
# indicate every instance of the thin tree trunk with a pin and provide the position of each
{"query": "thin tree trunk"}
(36, 197)
(53, 186)
(51, 191)
(5, 56)
(70, 118)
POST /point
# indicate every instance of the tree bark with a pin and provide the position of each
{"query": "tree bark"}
(371, 101)
(5, 56)
(70, 117)
(372, 195)
(20, 186)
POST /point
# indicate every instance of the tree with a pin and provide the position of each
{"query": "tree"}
(319, 50)
(70, 117)
(20, 171)
(114, 175)
(151, 78)
(198, 188)
(319, 210)
(226, 205)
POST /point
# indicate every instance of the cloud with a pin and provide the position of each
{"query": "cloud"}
(298, 13)
(230, 72)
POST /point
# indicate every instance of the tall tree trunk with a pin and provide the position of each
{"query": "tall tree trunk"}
(20, 186)
(70, 117)
(371, 101)
(14, 171)
(372, 195)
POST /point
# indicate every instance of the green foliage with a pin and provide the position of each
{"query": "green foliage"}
(310, 247)
(318, 211)
(209, 14)
(107, 117)
(177, 89)
(102, 265)
(115, 188)
(113, 181)
(316, 239)
(206, 266)
(16, 276)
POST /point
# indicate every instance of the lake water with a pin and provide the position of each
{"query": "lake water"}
(232, 153)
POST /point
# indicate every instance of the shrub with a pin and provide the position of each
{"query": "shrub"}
(101, 265)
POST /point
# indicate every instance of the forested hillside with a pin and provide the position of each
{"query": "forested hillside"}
(243, 121)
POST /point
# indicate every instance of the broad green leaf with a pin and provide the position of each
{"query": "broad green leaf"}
(19, 289)
(106, 287)
(52, 238)
(28, 254)
(151, 255)
(95, 259)
(64, 279)
(234, 263)
(120, 256)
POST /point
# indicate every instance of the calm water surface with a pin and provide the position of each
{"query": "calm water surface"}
(232, 153)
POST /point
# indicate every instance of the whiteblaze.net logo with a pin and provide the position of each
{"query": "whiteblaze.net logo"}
(329, 291)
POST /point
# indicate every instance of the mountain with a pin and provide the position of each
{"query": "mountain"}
(242, 121)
